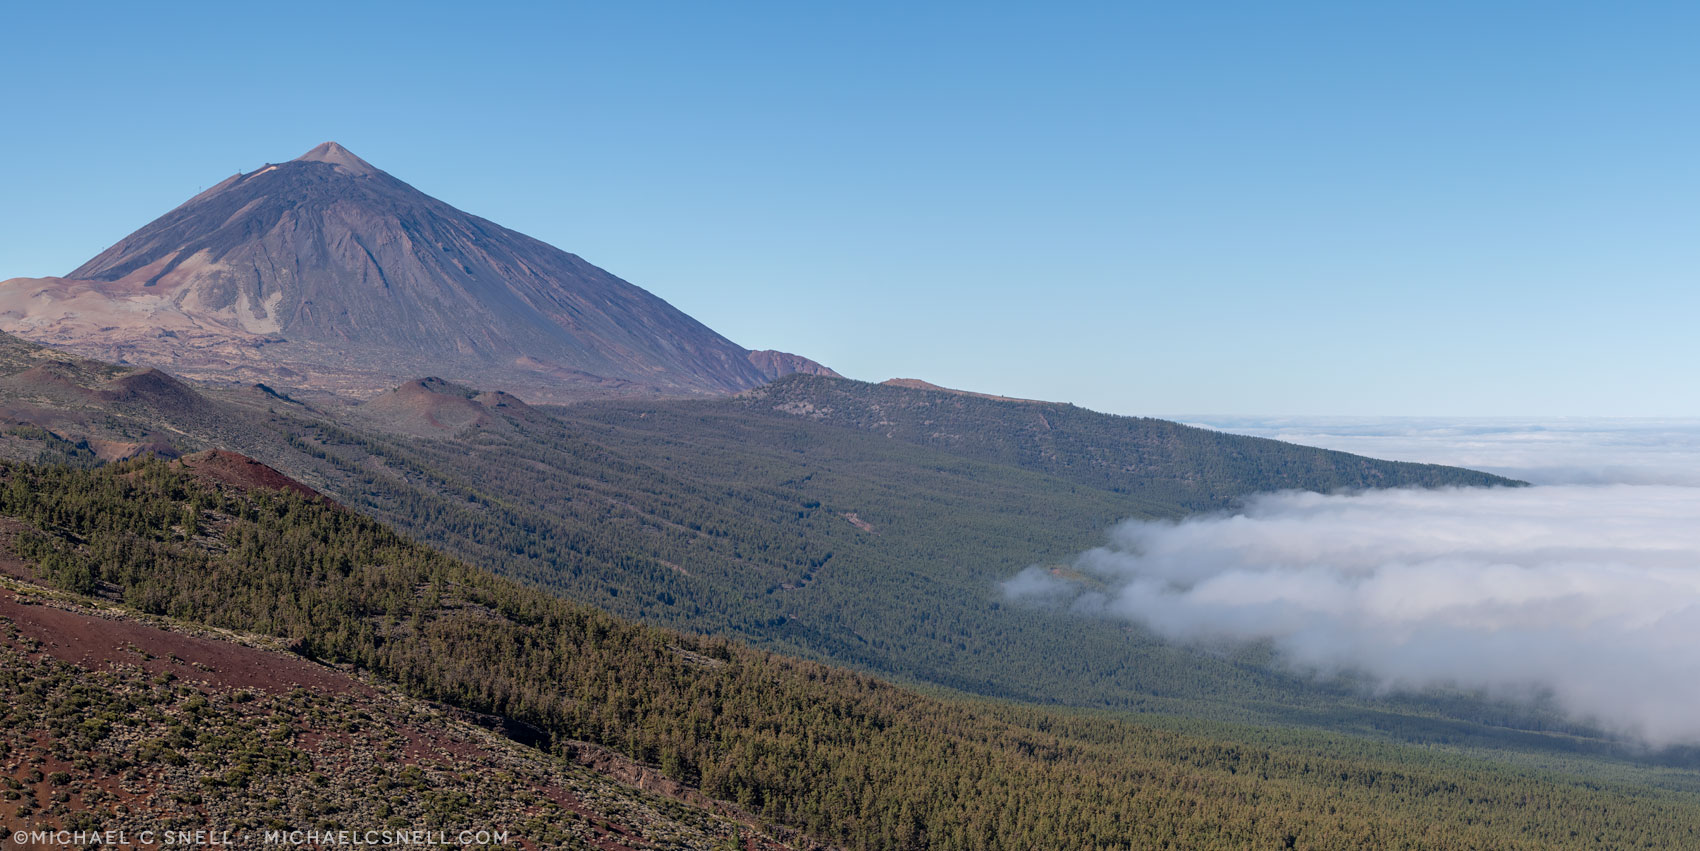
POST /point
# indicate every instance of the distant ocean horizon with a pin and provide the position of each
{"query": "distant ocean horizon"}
(1542, 451)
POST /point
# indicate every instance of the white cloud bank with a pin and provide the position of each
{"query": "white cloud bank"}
(1573, 450)
(1589, 594)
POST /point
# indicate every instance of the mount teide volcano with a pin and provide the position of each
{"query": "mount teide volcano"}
(327, 273)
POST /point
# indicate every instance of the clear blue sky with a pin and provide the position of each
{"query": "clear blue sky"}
(1278, 208)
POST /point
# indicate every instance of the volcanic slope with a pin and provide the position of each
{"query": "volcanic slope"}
(116, 719)
(327, 273)
(734, 517)
(212, 727)
(1167, 462)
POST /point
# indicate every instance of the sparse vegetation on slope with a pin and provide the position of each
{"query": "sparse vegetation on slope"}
(107, 723)
(838, 754)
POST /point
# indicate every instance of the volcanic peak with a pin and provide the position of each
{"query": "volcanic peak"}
(325, 273)
(337, 155)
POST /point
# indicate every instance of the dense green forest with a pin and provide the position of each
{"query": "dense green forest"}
(1191, 468)
(816, 537)
(804, 537)
(840, 754)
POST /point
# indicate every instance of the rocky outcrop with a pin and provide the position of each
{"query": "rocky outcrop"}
(774, 364)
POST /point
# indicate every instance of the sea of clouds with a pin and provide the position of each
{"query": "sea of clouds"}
(1550, 452)
(1583, 590)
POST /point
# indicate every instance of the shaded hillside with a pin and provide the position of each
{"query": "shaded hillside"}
(718, 517)
(326, 272)
(912, 543)
(62, 408)
(1191, 467)
(840, 755)
(79, 410)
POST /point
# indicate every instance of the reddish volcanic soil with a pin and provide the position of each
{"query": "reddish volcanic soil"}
(93, 643)
(96, 643)
(241, 472)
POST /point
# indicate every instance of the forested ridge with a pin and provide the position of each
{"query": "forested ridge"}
(839, 754)
(1192, 468)
(807, 536)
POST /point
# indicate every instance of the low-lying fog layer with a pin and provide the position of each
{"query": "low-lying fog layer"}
(1552, 452)
(1589, 593)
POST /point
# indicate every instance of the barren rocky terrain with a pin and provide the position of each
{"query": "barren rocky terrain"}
(327, 273)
